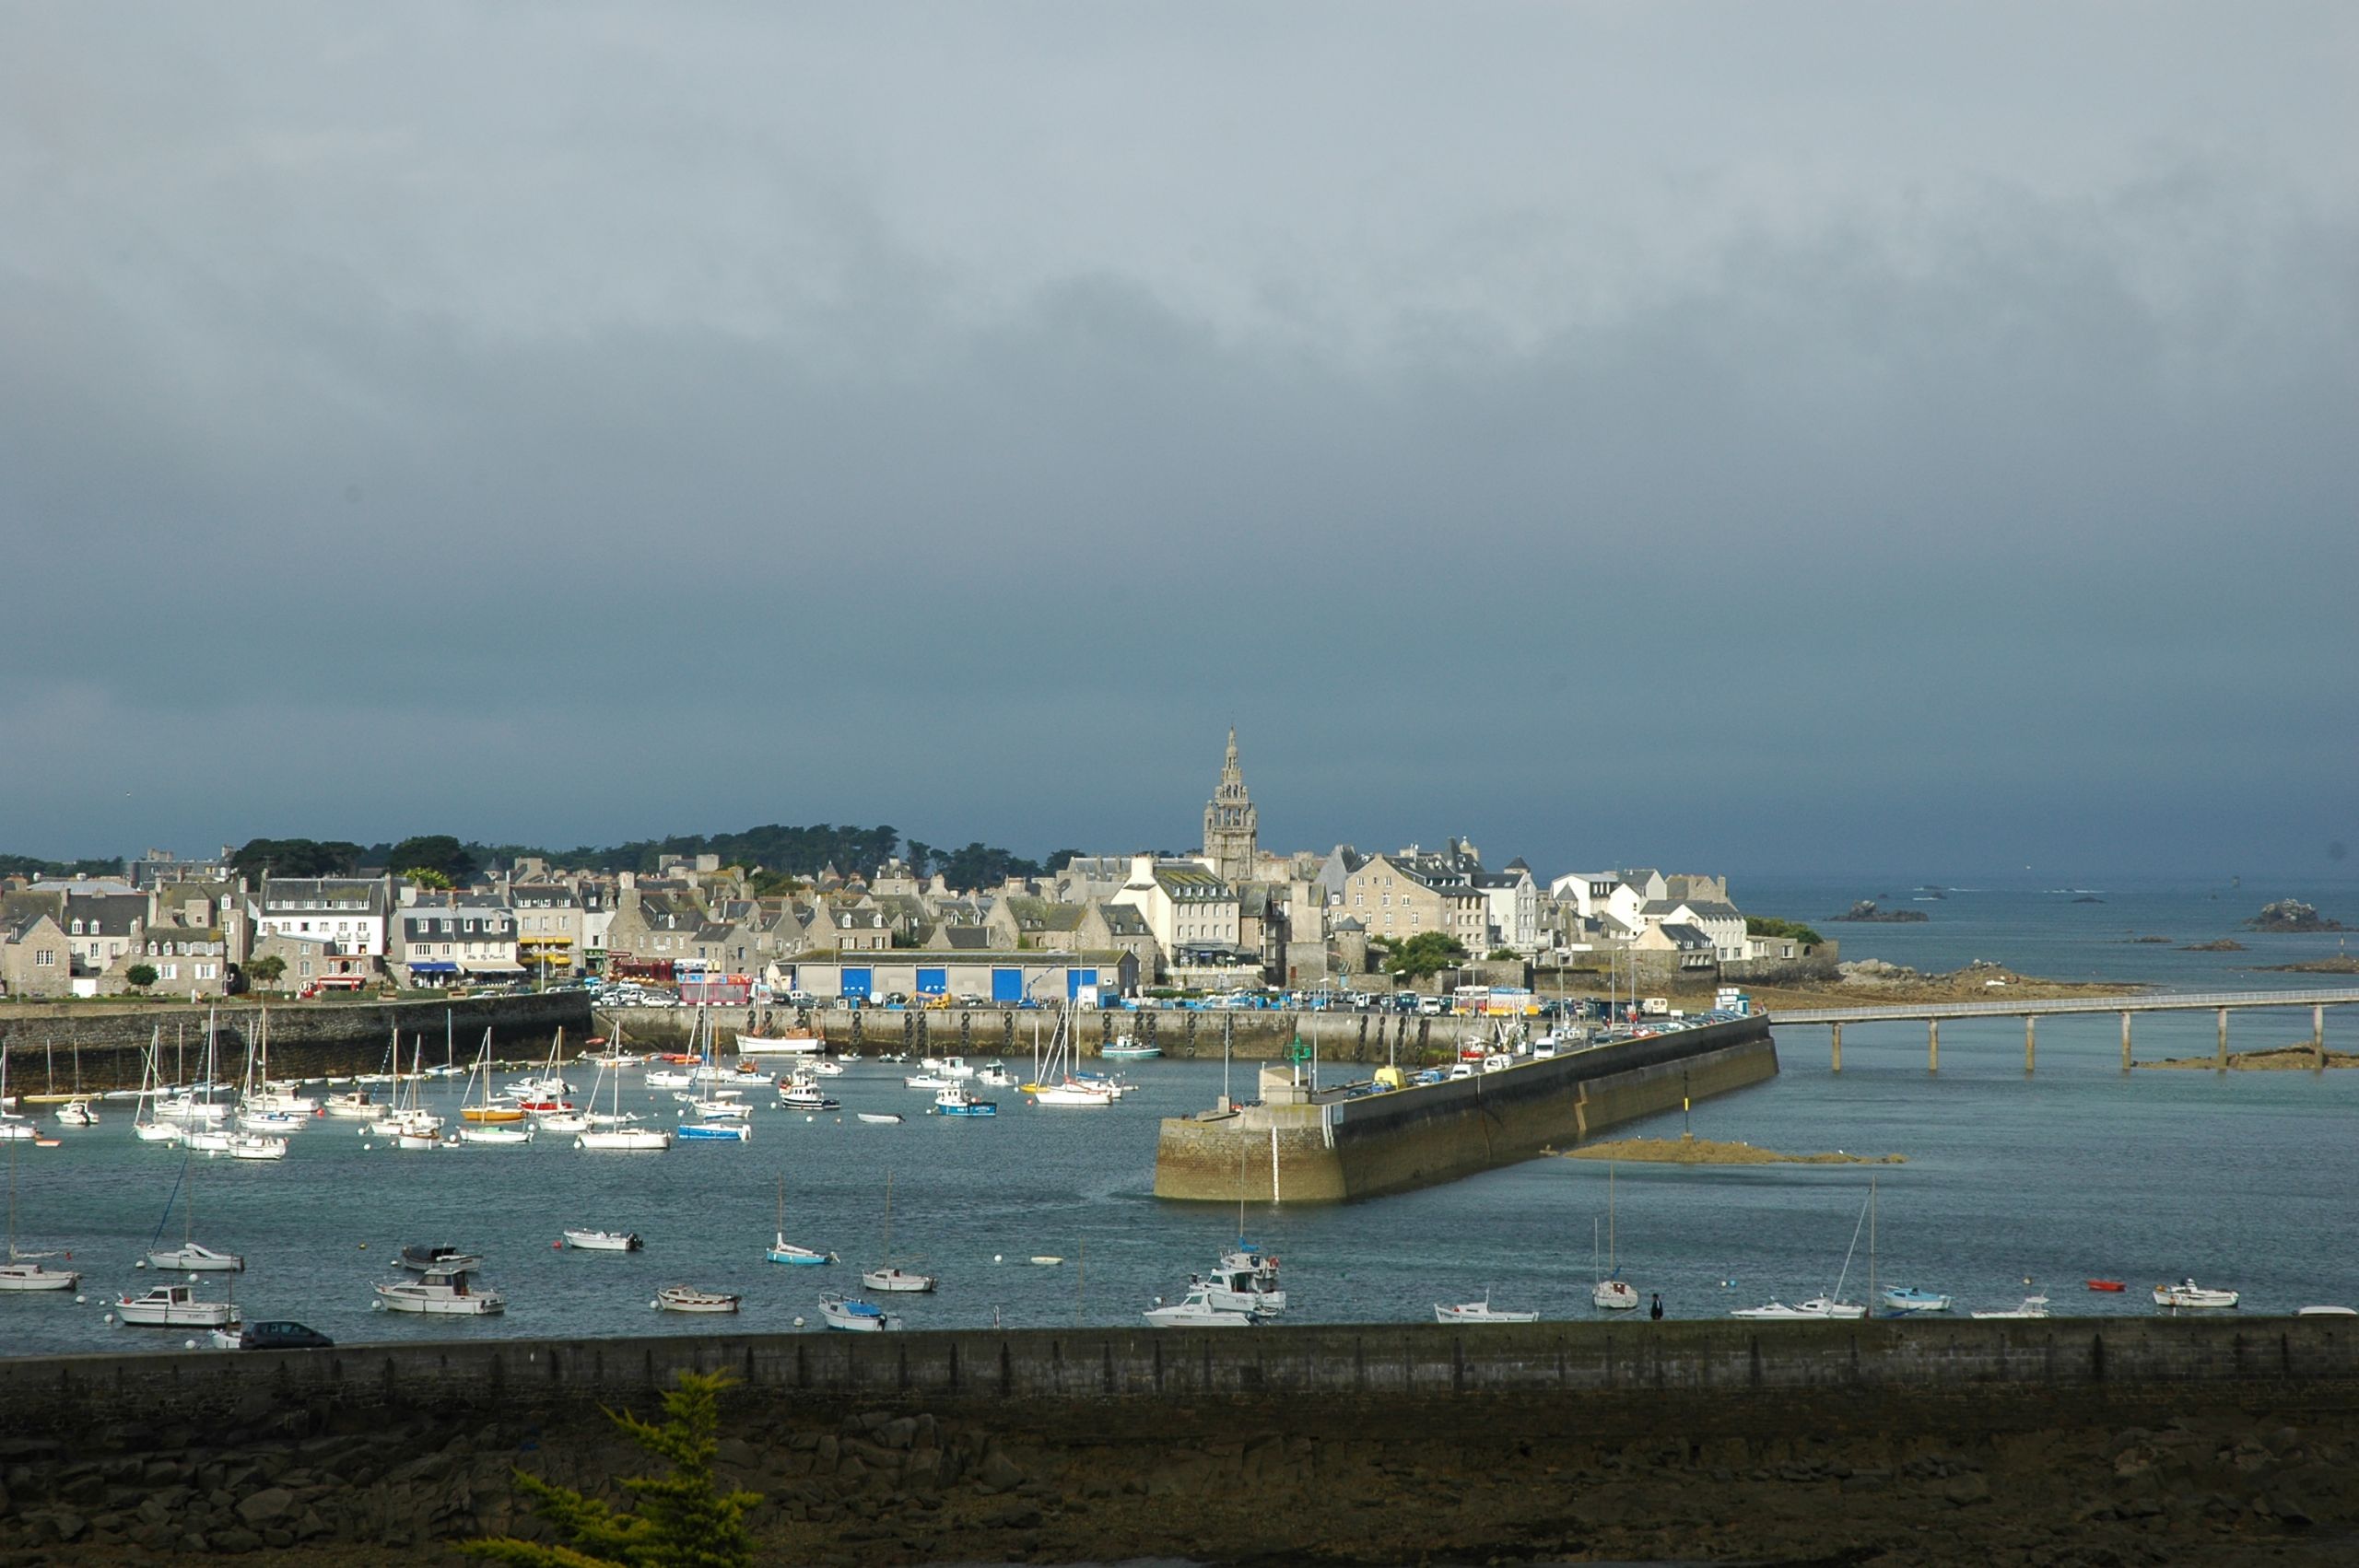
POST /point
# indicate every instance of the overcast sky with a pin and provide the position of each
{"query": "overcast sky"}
(1761, 438)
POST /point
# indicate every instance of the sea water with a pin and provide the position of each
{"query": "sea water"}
(2244, 1180)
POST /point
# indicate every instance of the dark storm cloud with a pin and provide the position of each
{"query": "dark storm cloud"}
(1581, 430)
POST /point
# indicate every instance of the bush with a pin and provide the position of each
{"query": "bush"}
(141, 976)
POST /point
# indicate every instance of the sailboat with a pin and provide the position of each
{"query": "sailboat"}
(25, 1270)
(615, 1130)
(891, 1276)
(416, 1129)
(490, 1121)
(784, 1251)
(1899, 1301)
(77, 1111)
(275, 1096)
(1819, 1308)
(1613, 1292)
(13, 1128)
(191, 1255)
(144, 1124)
(1056, 1084)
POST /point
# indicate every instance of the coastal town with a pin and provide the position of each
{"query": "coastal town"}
(1233, 919)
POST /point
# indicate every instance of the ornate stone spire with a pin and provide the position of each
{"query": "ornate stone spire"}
(1231, 824)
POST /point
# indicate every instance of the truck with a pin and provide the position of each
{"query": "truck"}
(1656, 1007)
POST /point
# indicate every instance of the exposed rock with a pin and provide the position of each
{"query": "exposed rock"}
(1867, 912)
(2292, 914)
(263, 1507)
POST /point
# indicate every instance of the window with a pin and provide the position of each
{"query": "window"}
(44, 958)
(304, 967)
(168, 971)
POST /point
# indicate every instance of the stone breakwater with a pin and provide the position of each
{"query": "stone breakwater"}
(309, 1040)
(2016, 1443)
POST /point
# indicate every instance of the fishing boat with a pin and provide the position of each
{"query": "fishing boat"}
(1123, 1048)
(802, 1095)
(25, 1270)
(442, 1292)
(1197, 1310)
(1908, 1300)
(995, 1075)
(856, 1316)
(2033, 1307)
(2186, 1292)
(880, 1118)
(802, 1042)
(955, 1101)
(1245, 1280)
(174, 1307)
(890, 1277)
(687, 1298)
(2111, 1287)
(1612, 1291)
(784, 1251)
(604, 1240)
(826, 1069)
(78, 1112)
(1480, 1312)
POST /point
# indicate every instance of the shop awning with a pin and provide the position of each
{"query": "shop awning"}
(495, 968)
(436, 968)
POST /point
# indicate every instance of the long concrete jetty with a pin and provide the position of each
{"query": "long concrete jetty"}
(1300, 1145)
(1931, 1014)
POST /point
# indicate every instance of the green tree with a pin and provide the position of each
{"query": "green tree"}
(268, 970)
(296, 857)
(683, 1519)
(435, 852)
(1425, 954)
(141, 976)
(427, 876)
(1770, 925)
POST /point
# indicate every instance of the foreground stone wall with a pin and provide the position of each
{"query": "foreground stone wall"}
(2024, 1442)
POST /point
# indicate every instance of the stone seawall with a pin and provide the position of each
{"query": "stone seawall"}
(2017, 1443)
(985, 1031)
(308, 1039)
(1390, 1142)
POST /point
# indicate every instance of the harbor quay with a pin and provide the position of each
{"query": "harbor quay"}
(46, 1044)
(2211, 1439)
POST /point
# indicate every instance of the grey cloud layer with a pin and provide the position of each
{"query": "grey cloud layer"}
(1764, 449)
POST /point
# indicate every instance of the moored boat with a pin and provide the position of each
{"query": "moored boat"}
(856, 1316)
(442, 1292)
(604, 1240)
(2033, 1307)
(1480, 1312)
(687, 1298)
(1908, 1299)
(173, 1306)
(2188, 1293)
(2110, 1286)
(956, 1101)
(1197, 1310)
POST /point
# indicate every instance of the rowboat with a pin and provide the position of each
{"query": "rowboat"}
(2114, 1285)
(687, 1298)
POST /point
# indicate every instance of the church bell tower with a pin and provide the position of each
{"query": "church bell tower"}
(1232, 834)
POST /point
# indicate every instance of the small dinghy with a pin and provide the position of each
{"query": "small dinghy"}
(876, 1118)
(1903, 1299)
(2033, 1307)
(687, 1298)
(2114, 1286)
(604, 1240)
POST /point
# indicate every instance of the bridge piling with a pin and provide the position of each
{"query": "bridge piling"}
(2317, 1038)
(1933, 1044)
(2031, 1023)
(2222, 1063)
(1837, 1030)
(2125, 1040)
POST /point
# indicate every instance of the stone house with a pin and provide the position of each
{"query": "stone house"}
(1021, 922)
(550, 934)
(1192, 912)
(34, 958)
(355, 913)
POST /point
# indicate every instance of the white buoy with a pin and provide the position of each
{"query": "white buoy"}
(81, 1301)
(106, 1317)
(141, 1264)
(798, 1323)
(994, 1256)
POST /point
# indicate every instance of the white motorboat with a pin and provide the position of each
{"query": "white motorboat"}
(562, 1121)
(1196, 1310)
(281, 1122)
(803, 1095)
(196, 1258)
(209, 1139)
(442, 1292)
(997, 1076)
(927, 1080)
(1247, 1281)
(856, 1316)
(604, 1240)
(880, 1118)
(254, 1146)
(956, 1067)
(893, 1278)
(1124, 1048)
(644, 1139)
(1480, 1312)
(2186, 1292)
(76, 1112)
(670, 1078)
(2033, 1307)
(353, 1105)
(826, 1069)
(687, 1298)
(425, 1258)
(174, 1307)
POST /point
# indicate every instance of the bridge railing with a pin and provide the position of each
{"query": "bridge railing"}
(2142, 1001)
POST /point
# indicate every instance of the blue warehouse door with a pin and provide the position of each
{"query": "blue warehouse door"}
(1007, 986)
(856, 982)
(1076, 978)
(932, 982)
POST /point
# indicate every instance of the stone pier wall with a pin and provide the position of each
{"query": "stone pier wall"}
(308, 1039)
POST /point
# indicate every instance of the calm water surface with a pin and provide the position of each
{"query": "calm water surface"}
(2247, 1181)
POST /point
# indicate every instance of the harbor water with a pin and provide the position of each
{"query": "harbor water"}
(2243, 1180)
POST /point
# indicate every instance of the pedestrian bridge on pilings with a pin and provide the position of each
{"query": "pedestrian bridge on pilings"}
(2031, 1011)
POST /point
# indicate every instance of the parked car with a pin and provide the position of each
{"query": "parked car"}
(281, 1335)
